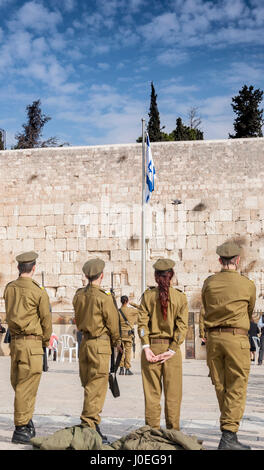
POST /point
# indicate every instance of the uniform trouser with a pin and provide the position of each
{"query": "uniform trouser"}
(261, 350)
(228, 358)
(153, 376)
(26, 370)
(94, 370)
(126, 356)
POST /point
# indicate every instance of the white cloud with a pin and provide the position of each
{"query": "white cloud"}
(172, 57)
(162, 27)
(103, 66)
(35, 16)
(197, 22)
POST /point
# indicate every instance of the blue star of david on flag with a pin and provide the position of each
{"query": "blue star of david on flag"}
(150, 171)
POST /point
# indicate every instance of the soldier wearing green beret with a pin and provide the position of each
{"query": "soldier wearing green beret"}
(229, 300)
(97, 318)
(162, 327)
(30, 325)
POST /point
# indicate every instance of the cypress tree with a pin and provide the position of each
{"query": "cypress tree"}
(154, 130)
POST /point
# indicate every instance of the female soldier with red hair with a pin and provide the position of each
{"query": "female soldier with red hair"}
(162, 327)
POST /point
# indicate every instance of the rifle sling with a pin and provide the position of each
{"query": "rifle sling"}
(125, 318)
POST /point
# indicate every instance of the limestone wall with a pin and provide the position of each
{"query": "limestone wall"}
(71, 204)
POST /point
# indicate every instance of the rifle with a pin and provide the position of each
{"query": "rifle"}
(45, 366)
(112, 380)
(112, 362)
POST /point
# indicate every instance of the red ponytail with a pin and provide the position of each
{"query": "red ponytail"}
(163, 279)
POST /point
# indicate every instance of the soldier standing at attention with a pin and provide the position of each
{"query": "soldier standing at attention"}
(97, 318)
(30, 325)
(229, 300)
(162, 327)
(126, 333)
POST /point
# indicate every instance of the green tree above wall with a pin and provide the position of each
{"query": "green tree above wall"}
(181, 132)
(31, 135)
(249, 120)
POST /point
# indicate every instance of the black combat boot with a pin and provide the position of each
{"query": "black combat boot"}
(31, 428)
(103, 437)
(229, 442)
(21, 435)
(128, 372)
(121, 372)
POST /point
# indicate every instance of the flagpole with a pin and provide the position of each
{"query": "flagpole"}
(143, 234)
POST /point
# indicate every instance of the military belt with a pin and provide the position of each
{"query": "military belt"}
(236, 331)
(159, 341)
(88, 336)
(27, 337)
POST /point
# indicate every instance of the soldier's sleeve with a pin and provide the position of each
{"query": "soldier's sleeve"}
(143, 322)
(75, 303)
(252, 300)
(111, 317)
(45, 317)
(201, 323)
(181, 324)
(203, 295)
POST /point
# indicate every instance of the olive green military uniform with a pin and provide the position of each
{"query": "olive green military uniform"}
(97, 318)
(30, 325)
(162, 335)
(229, 300)
(202, 333)
(131, 315)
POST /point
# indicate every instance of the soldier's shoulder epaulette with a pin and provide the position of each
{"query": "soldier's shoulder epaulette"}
(79, 290)
(9, 284)
(106, 292)
(176, 288)
(150, 287)
(37, 284)
(245, 275)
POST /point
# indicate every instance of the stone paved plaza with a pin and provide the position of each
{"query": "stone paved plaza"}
(59, 403)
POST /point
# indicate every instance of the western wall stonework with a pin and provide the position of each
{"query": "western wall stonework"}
(71, 204)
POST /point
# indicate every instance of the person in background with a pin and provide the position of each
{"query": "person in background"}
(128, 318)
(253, 331)
(53, 345)
(2, 328)
(261, 339)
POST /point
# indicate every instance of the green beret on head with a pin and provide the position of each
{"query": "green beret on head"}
(163, 264)
(228, 250)
(93, 267)
(27, 257)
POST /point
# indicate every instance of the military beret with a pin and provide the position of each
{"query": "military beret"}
(27, 257)
(228, 250)
(92, 267)
(163, 264)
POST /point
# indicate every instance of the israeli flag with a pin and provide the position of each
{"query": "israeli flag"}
(150, 172)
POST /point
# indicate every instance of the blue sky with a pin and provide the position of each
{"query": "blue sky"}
(91, 64)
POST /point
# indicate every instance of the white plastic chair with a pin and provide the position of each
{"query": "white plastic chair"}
(257, 346)
(68, 343)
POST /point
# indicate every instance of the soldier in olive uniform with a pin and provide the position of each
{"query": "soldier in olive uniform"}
(202, 333)
(229, 300)
(162, 327)
(30, 324)
(97, 318)
(126, 333)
